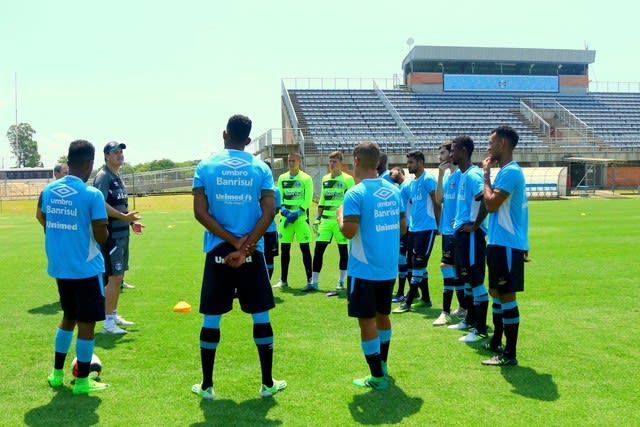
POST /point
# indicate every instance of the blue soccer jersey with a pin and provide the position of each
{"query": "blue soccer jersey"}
(273, 226)
(70, 206)
(471, 184)
(386, 176)
(405, 196)
(449, 194)
(233, 182)
(374, 250)
(422, 216)
(509, 225)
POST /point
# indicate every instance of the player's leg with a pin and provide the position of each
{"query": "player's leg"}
(495, 344)
(216, 297)
(318, 254)
(286, 238)
(90, 310)
(64, 332)
(402, 270)
(384, 291)
(303, 234)
(270, 250)
(343, 253)
(427, 239)
(476, 273)
(115, 253)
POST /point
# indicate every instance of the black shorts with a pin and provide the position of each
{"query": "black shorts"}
(506, 269)
(368, 297)
(470, 255)
(116, 256)
(271, 244)
(82, 300)
(420, 244)
(403, 244)
(221, 283)
(448, 250)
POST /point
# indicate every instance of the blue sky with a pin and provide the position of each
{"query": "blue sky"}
(165, 76)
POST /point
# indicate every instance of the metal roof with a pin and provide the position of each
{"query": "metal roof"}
(498, 54)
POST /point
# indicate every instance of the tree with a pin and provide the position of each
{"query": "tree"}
(23, 146)
(63, 160)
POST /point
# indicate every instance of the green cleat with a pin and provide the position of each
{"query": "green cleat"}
(206, 394)
(372, 382)
(402, 308)
(278, 385)
(55, 378)
(385, 369)
(87, 385)
(489, 346)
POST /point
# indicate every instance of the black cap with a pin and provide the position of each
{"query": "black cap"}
(113, 146)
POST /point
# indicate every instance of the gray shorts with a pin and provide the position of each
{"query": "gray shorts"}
(116, 255)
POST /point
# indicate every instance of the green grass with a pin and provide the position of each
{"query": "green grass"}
(578, 348)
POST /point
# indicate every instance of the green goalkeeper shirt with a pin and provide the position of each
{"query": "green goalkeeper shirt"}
(296, 191)
(332, 193)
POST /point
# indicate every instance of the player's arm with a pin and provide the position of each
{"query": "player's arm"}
(308, 194)
(201, 213)
(492, 198)
(403, 224)
(100, 231)
(129, 217)
(442, 168)
(437, 206)
(248, 243)
(349, 225)
(39, 215)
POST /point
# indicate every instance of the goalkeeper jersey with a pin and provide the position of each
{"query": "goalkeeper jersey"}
(332, 193)
(296, 191)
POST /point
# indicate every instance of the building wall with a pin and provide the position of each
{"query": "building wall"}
(625, 176)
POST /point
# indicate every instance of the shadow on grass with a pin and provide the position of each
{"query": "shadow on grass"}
(65, 409)
(108, 341)
(51, 308)
(390, 406)
(227, 412)
(528, 383)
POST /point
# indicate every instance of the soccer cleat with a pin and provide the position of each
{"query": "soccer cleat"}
(87, 385)
(500, 360)
(402, 308)
(113, 329)
(473, 336)
(459, 312)
(281, 284)
(372, 382)
(459, 326)
(421, 303)
(311, 287)
(340, 286)
(125, 285)
(278, 385)
(385, 369)
(206, 394)
(124, 322)
(442, 320)
(399, 298)
(55, 378)
(489, 346)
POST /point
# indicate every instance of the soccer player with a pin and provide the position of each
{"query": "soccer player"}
(469, 240)
(296, 189)
(233, 199)
(398, 178)
(59, 171)
(75, 222)
(446, 193)
(271, 235)
(116, 250)
(334, 185)
(506, 201)
(423, 227)
(373, 218)
(383, 169)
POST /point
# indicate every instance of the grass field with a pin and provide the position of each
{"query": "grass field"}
(578, 348)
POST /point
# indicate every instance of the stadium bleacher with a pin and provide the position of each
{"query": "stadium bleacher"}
(336, 119)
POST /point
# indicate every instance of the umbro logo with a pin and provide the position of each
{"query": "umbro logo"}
(235, 163)
(64, 191)
(383, 193)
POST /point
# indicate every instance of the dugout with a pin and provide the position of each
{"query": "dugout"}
(586, 174)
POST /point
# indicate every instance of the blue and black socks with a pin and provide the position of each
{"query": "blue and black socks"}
(62, 346)
(371, 350)
(449, 277)
(263, 337)
(209, 339)
(511, 321)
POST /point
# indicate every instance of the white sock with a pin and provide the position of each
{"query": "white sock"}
(315, 277)
(343, 274)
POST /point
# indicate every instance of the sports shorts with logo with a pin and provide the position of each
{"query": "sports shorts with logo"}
(271, 243)
(469, 254)
(222, 283)
(300, 229)
(448, 250)
(368, 297)
(329, 228)
(116, 255)
(82, 300)
(506, 269)
(419, 247)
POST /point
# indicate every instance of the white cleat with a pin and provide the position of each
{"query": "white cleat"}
(113, 329)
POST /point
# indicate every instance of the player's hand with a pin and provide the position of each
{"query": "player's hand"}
(487, 163)
(235, 259)
(131, 216)
(240, 241)
(137, 227)
(316, 225)
(442, 167)
(468, 228)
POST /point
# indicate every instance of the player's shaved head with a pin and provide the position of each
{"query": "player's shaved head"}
(368, 154)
